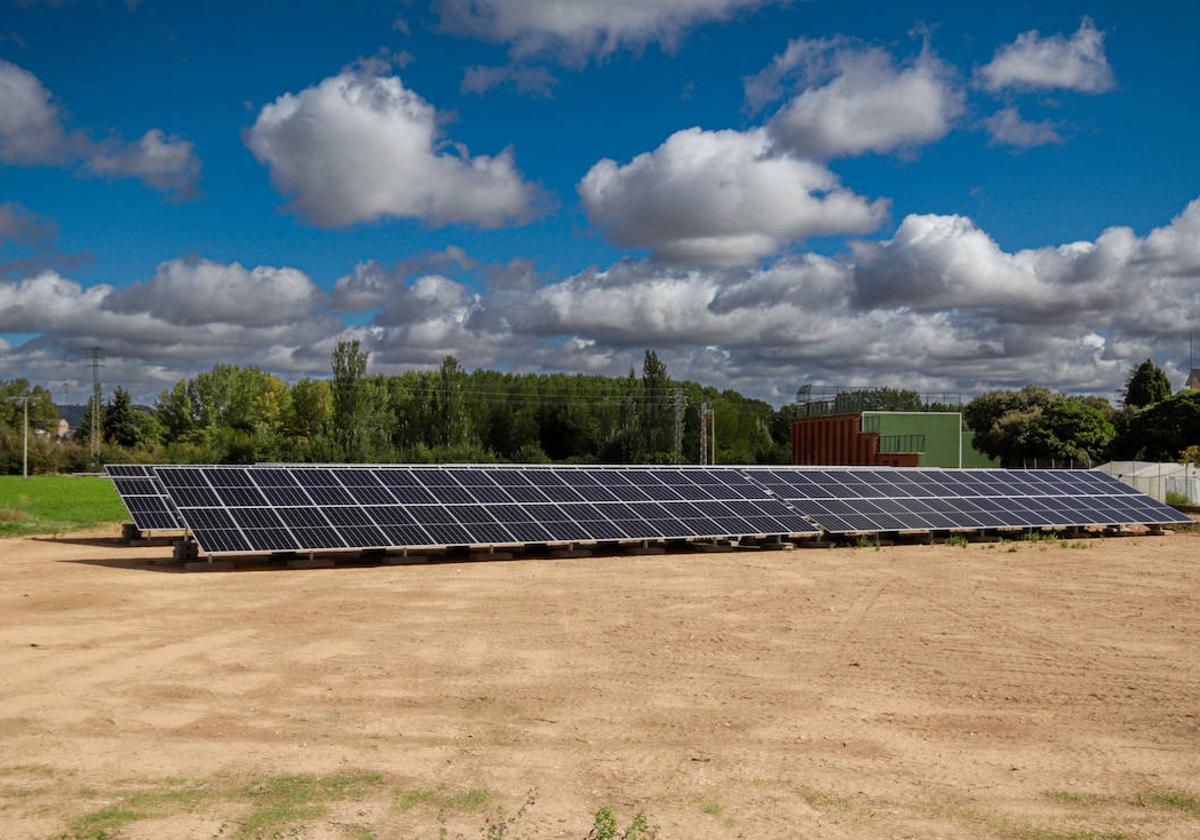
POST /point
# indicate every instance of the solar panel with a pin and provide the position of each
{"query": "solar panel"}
(265, 509)
(846, 500)
(281, 508)
(149, 506)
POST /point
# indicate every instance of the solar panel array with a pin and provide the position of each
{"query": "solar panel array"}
(271, 509)
(854, 500)
(147, 502)
(282, 508)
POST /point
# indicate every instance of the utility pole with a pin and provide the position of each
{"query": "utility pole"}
(704, 433)
(712, 425)
(96, 394)
(24, 398)
(678, 425)
(25, 444)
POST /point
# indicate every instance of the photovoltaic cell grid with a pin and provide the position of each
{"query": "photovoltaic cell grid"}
(275, 508)
(849, 500)
(144, 497)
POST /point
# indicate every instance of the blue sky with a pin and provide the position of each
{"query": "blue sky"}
(815, 265)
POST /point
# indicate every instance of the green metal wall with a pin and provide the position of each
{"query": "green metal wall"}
(941, 432)
(973, 457)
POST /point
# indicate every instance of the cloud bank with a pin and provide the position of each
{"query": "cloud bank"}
(360, 146)
(940, 305)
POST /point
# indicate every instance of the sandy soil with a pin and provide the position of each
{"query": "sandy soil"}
(1031, 691)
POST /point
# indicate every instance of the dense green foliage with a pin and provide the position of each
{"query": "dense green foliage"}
(234, 414)
(1035, 425)
(1166, 430)
(1147, 385)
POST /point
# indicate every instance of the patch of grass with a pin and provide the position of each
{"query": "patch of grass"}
(47, 504)
(1174, 800)
(1040, 536)
(1177, 499)
(136, 805)
(480, 702)
(958, 540)
(711, 808)
(292, 798)
(98, 825)
(826, 801)
(1068, 797)
(1004, 825)
(27, 770)
(1036, 833)
(444, 799)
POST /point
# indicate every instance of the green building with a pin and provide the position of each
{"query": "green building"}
(938, 438)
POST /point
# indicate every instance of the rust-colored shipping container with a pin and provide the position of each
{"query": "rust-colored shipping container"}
(837, 440)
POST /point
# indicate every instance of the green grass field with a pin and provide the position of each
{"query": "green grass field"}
(47, 504)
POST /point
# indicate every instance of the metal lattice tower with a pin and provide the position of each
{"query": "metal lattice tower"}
(678, 425)
(96, 397)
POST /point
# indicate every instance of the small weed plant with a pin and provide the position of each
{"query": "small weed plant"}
(605, 827)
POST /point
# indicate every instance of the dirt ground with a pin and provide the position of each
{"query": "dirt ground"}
(1034, 691)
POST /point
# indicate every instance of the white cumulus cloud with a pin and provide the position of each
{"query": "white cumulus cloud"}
(1034, 62)
(1009, 128)
(167, 163)
(203, 291)
(575, 30)
(850, 99)
(720, 197)
(361, 146)
(33, 131)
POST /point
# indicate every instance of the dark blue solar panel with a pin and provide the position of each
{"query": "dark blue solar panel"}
(917, 499)
(150, 508)
(298, 508)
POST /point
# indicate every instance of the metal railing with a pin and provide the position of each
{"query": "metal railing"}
(902, 443)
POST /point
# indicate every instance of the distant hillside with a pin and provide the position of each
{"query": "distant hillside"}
(72, 413)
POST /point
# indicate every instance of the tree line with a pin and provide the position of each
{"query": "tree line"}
(1035, 424)
(234, 414)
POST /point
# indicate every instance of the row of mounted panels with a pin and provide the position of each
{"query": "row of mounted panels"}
(849, 500)
(261, 509)
(233, 510)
